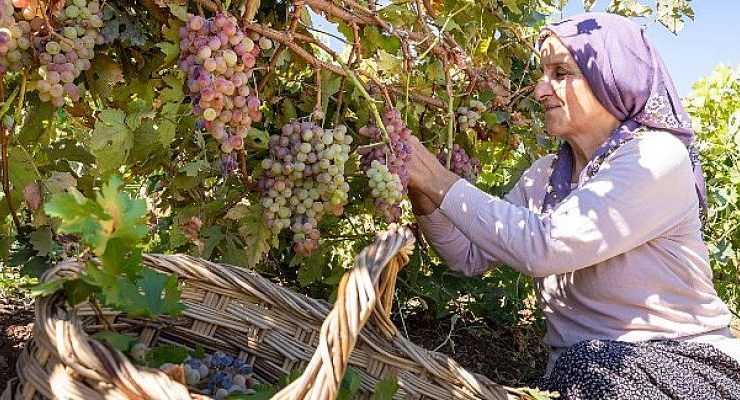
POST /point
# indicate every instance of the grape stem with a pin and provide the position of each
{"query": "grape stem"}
(371, 103)
(450, 115)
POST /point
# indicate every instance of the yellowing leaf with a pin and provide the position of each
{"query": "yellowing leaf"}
(388, 63)
(178, 8)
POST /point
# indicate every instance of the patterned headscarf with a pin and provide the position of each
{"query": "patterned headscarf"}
(630, 80)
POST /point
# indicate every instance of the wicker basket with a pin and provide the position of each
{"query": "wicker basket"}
(238, 312)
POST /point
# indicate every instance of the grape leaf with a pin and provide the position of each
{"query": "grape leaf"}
(47, 288)
(152, 295)
(120, 259)
(167, 125)
(127, 214)
(80, 215)
(174, 90)
(111, 140)
(171, 51)
(78, 291)
(59, 182)
(42, 241)
(385, 389)
(37, 117)
(252, 229)
(119, 341)
(104, 73)
(587, 4)
(159, 355)
(124, 28)
(350, 384)
(257, 138)
(113, 214)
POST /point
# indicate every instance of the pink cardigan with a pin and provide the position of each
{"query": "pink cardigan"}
(620, 258)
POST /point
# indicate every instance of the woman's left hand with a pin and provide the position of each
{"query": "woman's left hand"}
(426, 174)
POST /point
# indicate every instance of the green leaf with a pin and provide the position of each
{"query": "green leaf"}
(128, 29)
(512, 5)
(38, 116)
(167, 124)
(120, 259)
(78, 291)
(127, 214)
(159, 355)
(79, 216)
(154, 294)
(119, 341)
(350, 384)
(59, 182)
(385, 389)
(173, 92)
(42, 241)
(103, 75)
(47, 288)
(199, 352)
(257, 139)
(111, 140)
(257, 237)
(171, 51)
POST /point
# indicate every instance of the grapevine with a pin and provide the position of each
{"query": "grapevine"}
(303, 179)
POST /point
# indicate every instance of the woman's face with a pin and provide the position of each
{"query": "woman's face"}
(570, 106)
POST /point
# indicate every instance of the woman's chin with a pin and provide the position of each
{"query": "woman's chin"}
(555, 130)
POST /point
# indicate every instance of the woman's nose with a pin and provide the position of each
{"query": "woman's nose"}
(542, 89)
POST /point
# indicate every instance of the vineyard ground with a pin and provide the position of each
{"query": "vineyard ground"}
(16, 324)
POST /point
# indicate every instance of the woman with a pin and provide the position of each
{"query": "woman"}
(609, 227)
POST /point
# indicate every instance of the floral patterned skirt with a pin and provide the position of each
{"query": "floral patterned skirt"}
(655, 370)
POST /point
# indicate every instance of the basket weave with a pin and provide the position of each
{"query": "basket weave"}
(236, 311)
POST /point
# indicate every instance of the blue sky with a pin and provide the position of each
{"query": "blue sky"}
(713, 37)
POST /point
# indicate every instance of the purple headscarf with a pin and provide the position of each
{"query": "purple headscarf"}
(630, 80)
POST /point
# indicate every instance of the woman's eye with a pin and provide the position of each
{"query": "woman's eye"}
(561, 73)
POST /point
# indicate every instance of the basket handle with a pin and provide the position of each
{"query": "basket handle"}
(366, 290)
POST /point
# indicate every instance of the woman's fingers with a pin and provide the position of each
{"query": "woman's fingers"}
(426, 174)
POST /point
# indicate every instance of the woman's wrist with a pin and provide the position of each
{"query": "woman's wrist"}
(436, 189)
(421, 204)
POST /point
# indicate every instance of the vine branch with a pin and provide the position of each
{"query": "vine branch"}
(4, 143)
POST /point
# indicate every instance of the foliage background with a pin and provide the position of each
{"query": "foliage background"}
(136, 121)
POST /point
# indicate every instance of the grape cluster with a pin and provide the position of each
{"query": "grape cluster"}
(303, 179)
(65, 52)
(216, 374)
(219, 58)
(393, 155)
(384, 185)
(469, 117)
(14, 38)
(219, 375)
(461, 164)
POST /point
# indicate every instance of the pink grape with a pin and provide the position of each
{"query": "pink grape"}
(387, 203)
